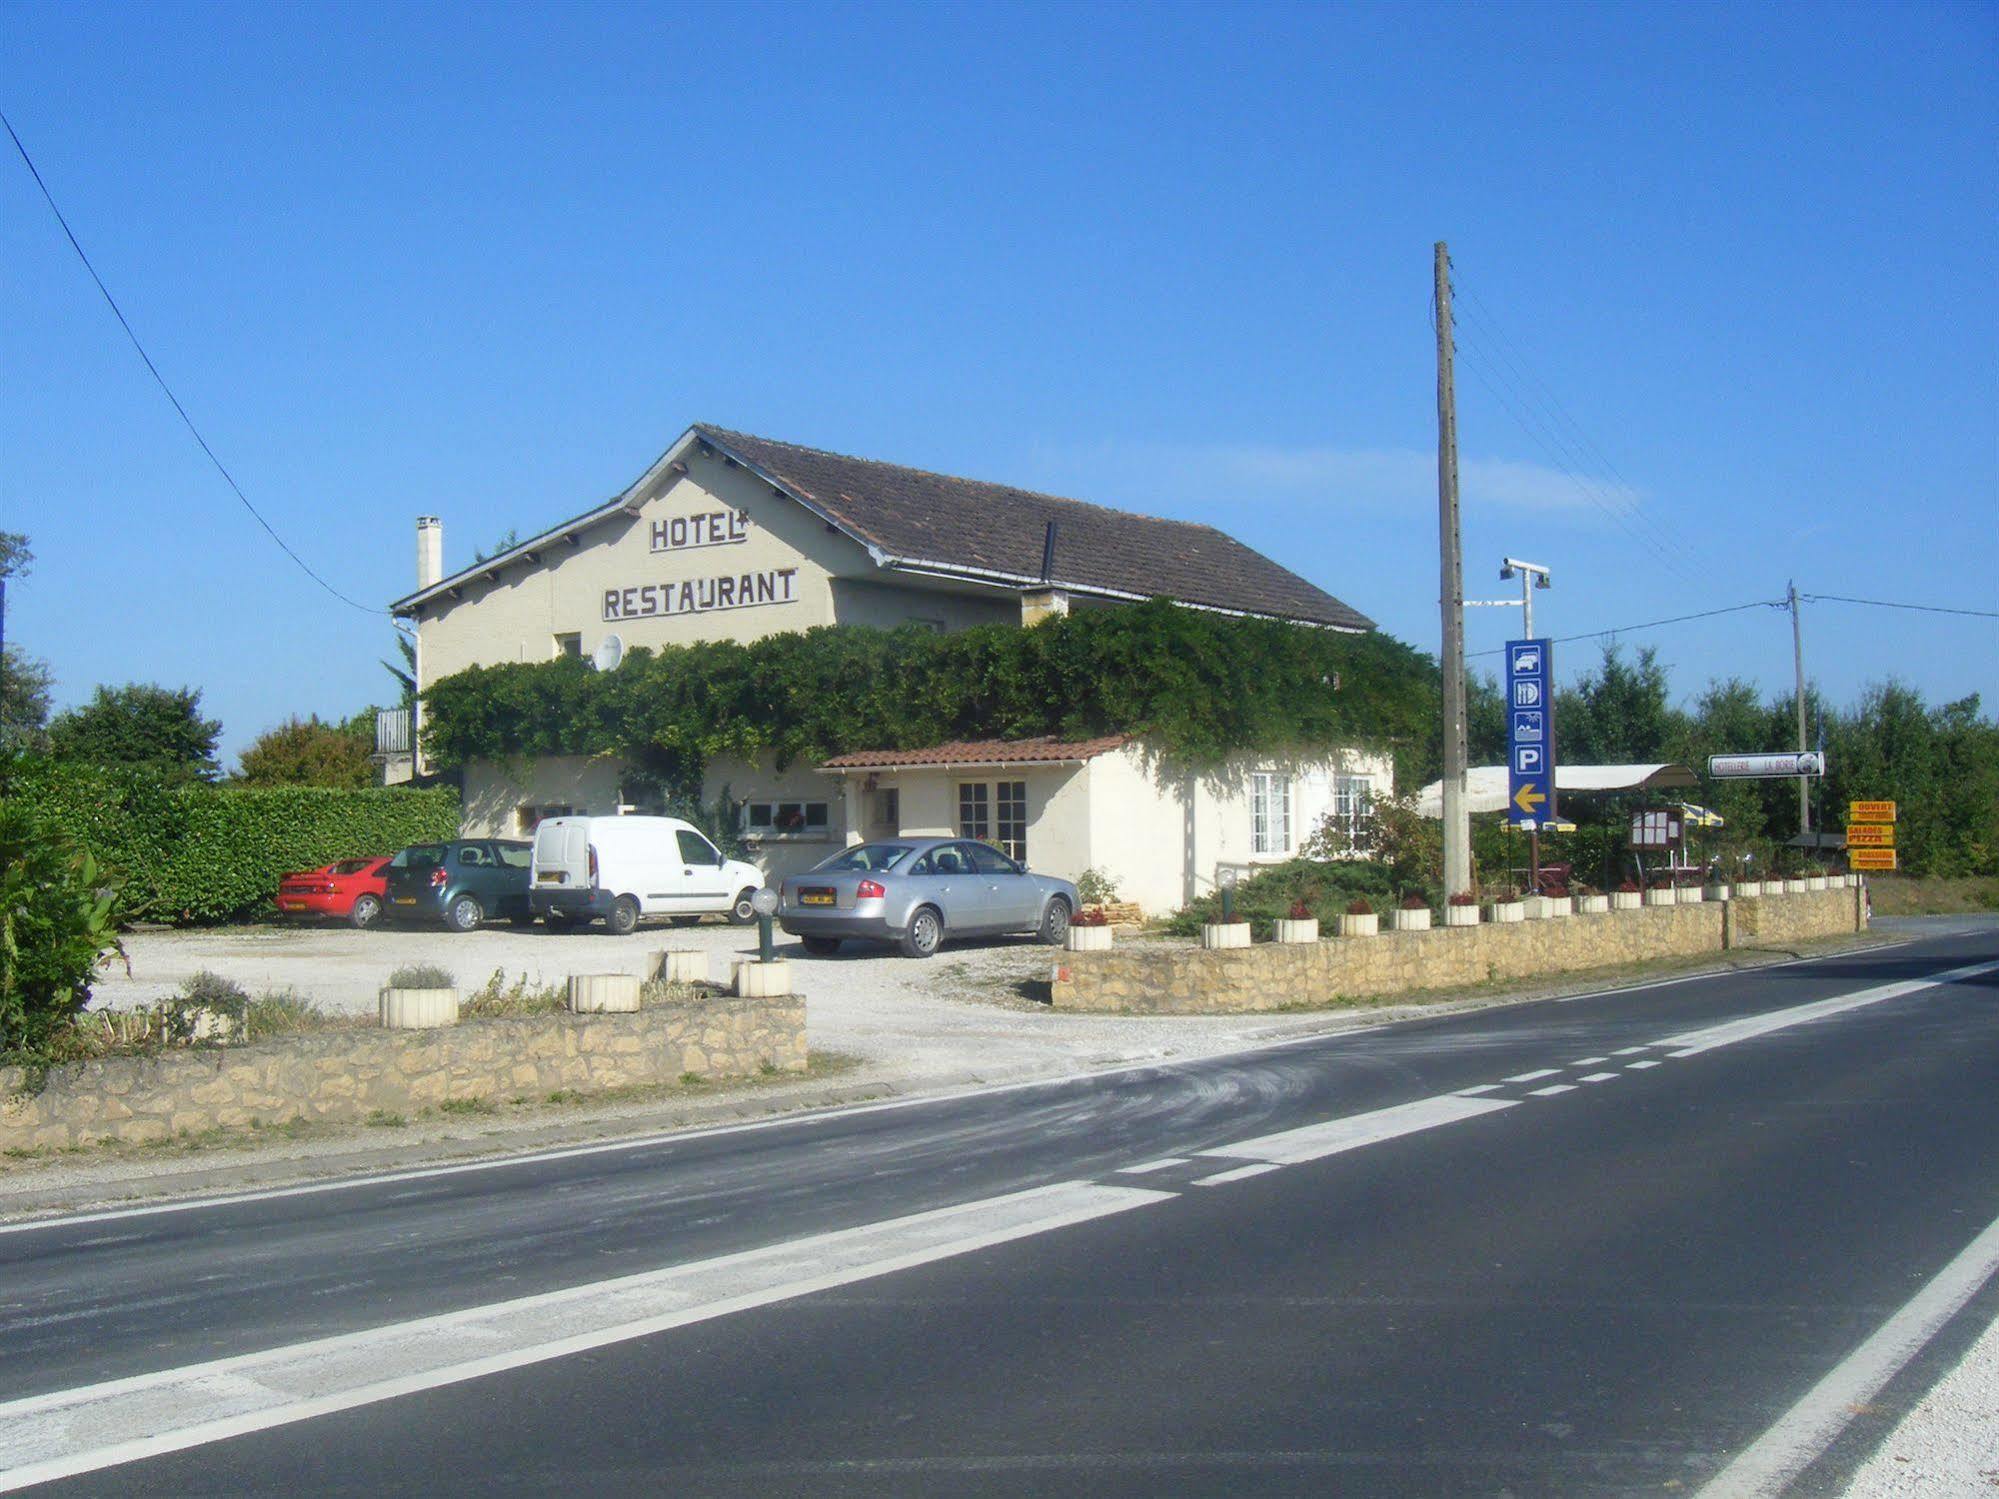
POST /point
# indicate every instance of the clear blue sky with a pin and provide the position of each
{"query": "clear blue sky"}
(489, 261)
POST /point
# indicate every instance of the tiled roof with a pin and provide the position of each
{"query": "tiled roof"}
(971, 526)
(1045, 750)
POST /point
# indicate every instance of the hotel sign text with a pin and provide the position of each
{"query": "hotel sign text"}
(711, 528)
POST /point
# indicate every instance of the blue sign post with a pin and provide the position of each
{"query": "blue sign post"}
(1530, 733)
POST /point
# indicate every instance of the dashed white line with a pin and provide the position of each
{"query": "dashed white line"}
(1629, 1051)
(1475, 1091)
(1588, 1061)
(1221, 1177)
(1601, 1077)
(1692, 1043)
(1165, 1164)
(1312, 1141)
(1552, 1089)
(1535, 1076)
(1638, 1066)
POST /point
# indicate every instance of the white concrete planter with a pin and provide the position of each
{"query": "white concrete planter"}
(756, 979)
(1505, 912)
(1691, 895)
(1361, 926)
(1225, 934)
(1748, 889)
(1795, 887)
(418, 1009)
(1815, 882)
(1461, 916)
(1299, 931)
(1662, 897)
(1626, 900)
(681, 966)
(1717, 892)
(1089, 939)
(604, 993)
(1546, 907)
(1593, 905)
(1417, 920)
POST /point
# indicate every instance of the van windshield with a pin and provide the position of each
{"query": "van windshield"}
(869, 856)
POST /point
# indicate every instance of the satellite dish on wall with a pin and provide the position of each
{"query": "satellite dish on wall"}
(610, 651)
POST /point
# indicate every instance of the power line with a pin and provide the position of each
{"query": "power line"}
(1840, 598)
(160, 380)
(1653, 624)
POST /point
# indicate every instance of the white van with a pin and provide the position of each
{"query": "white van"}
(622, 868)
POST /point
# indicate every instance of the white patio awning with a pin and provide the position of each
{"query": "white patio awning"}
(1485, 785)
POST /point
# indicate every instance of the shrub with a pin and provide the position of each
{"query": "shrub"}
(1359, 907)
(496, 997)
(1090, 916)
(424, 976)
(1415, 902)
(58, 914)
(1300, 911)
(1095, 888)
(1627, 887)
(1323, 886)
(1464, 898)
(194, 853)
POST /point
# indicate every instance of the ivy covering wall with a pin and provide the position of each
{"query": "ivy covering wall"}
(1201, 686)
(209, 853)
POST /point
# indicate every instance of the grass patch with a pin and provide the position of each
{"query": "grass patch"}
(1909, 895)
(466, 1106)
(383, 1119)
(497, 999)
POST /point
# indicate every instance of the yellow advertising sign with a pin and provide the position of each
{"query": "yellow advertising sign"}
(1870, 835)
(1870, 858)
(1870, 812)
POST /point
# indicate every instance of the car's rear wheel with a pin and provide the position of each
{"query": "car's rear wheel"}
(367, 910)
(1055, 922)
(925, 933)
(741, 911)
(623, 919)
(821, 947)
(464, 914)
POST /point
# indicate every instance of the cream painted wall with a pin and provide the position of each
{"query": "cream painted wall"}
(886, 605)
(495, 790)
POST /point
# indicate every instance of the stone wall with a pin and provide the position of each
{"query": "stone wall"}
(346, 1075)
(1162, 980)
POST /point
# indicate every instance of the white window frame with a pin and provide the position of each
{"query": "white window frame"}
(1353, 806)
(1271, 820)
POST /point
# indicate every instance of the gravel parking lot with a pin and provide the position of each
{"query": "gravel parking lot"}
(966, 1015)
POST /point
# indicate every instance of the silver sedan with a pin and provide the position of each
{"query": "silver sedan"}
(915, 892)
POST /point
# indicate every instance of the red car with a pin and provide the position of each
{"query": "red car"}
(351, 889)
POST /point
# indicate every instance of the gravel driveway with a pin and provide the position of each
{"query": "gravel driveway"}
(963, 1016)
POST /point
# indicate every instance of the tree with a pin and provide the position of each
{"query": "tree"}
(140, 724)
(24, 701)
(1618, 714)
(307, 752)
(16, 557)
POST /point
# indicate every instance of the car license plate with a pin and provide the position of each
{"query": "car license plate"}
(815, 897)
(293, 905)
(405, 900)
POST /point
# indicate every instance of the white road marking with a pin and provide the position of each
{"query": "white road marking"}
(1222, 1177)
(1601, 1077)
(1588, 1061)
(65, 1432)
(1165, 1164)
(1629, 1051)
(1313, 1141)
(1692, 1043)
(1474, 1092)
(1638, 1066)
(1535, 1076)
(1553, 1088)
(1768, 1464)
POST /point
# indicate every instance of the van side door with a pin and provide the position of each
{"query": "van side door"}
(703, 886)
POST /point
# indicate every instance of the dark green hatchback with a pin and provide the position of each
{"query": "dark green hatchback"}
(461, 883)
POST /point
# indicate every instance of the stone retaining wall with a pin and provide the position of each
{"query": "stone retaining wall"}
(1163, 980)
(346, 1075)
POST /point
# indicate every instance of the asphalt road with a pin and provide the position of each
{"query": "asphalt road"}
(1605, 1245)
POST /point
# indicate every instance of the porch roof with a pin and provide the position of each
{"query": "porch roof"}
(1046, 750)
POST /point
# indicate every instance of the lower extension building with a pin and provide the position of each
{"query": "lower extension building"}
(734, 537)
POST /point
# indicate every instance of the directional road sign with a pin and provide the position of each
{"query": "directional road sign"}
(1870, 858)
(1870, 811)
(1870, 835)
(1795, 763)
(1530, 733)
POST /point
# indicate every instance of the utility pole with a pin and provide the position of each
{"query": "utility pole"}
(1457, 820)
(1798, 658)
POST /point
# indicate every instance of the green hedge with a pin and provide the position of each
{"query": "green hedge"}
(212, 853)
